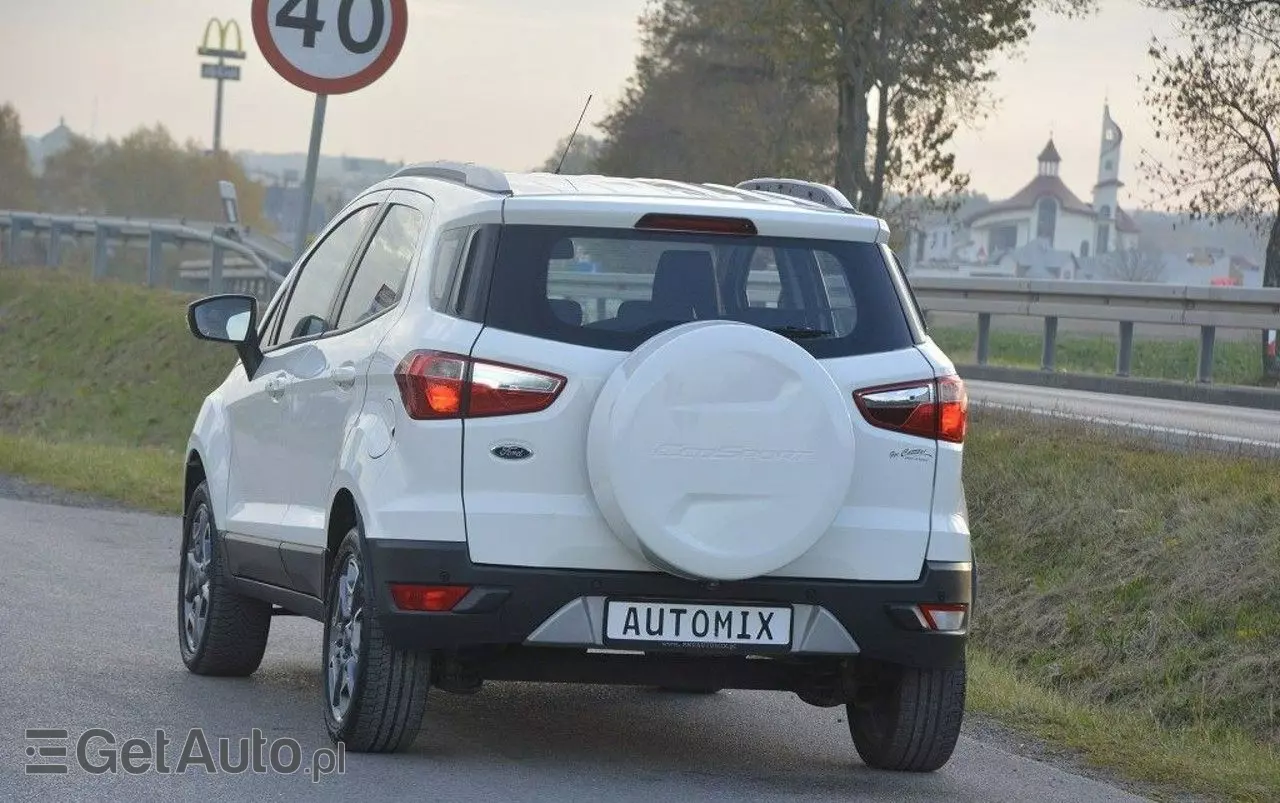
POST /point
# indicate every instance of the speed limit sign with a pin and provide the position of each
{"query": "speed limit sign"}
(330, 47)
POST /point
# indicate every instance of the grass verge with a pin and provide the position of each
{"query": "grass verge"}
(1234, 362)
(1129, 597)
(143, 477)
(102, 362)
(1214, 760)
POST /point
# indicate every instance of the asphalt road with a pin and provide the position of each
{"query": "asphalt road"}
(1183, 423)
(89, 641)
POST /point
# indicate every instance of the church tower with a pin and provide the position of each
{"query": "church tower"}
(1106, 192)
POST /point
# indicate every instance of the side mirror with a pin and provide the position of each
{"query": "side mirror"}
(229, 319)
(223, 319)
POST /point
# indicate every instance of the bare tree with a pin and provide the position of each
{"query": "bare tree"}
(905, 75)
(1258, 18)
(1133, 265)
(1219, 104)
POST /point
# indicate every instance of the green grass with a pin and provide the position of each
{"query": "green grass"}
(107, 363)
(143, 477)
(1118, 573)
(1129, 597)
(1212, 759)
(1234, 362)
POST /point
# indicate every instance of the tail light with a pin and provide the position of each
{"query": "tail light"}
(436, 385)
(414, 597)
(933, 408)
(946, 617)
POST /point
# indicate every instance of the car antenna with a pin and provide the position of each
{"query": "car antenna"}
(574, 135)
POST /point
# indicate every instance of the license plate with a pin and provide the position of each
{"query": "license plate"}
(687, 624)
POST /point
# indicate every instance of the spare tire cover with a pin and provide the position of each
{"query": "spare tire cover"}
(720, 450)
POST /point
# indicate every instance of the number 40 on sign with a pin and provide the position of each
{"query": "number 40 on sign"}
(329, 47)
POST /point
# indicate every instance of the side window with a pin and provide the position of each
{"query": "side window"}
(446, 265)
(307, 312)
(383, 269)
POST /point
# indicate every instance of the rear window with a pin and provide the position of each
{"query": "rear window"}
(616, 288)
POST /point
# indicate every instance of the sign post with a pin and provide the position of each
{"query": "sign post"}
(220, 71)
(328, 47)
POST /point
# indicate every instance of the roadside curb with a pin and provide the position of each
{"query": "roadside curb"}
(1229, 395)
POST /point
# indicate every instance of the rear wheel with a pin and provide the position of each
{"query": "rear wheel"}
(374, 694)
(907, 719)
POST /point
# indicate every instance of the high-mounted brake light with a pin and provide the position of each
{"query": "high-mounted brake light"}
(437, 385)
(935, 408)
(697, 223)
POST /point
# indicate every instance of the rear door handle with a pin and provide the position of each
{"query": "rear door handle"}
(344, 376)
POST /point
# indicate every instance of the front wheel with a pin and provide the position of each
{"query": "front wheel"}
(906, 719)
(220, 631)
(374, 694)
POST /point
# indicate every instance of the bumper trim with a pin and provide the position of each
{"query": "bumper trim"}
(580, 623)
(538, 607)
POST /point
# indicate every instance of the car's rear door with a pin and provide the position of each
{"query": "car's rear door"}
(324, 400)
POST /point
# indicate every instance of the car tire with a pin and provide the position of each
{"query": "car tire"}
(907, 719)
(220, 631)
(380, 709)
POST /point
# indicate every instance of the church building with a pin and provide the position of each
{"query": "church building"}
(1043, 228)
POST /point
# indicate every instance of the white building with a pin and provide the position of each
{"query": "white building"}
(41, 149)
(1042, 228)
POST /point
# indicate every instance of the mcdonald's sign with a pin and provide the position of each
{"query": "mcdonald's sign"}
(221, 51)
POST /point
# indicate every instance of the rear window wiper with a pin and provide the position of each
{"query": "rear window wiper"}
(800, 332)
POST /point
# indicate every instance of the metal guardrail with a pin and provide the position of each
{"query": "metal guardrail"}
(262, 264)
(1125, 303)
(269, 259)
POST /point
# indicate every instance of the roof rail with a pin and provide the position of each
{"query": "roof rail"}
(468, 174)
(796, 188)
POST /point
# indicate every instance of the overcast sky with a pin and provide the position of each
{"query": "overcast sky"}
(499, 81)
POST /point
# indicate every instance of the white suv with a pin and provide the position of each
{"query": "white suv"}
(592, 430)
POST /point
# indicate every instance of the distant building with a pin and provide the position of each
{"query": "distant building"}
(1042, 227)
(41, 149)
(1036, 260)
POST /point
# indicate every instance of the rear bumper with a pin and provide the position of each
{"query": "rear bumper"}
(554, 607)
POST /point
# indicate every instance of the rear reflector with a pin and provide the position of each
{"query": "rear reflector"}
(946, 617)
(934, 408)
(436, 385)
(697, 223)
(412, 597)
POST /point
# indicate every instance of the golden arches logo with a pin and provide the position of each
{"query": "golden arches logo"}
(222, 29)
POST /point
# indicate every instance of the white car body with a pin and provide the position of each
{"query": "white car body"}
(717, 453)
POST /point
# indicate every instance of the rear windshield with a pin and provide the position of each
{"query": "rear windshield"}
(616, 288)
